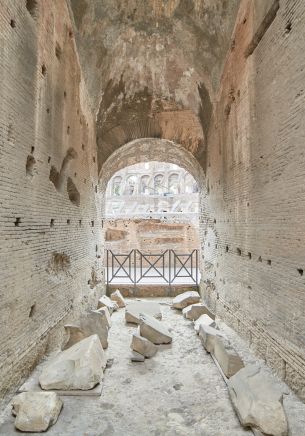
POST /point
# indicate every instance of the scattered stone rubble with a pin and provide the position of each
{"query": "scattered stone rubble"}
(154, 330)
(207, 334)
(36, 411)
(105, 301)
(93, 322)
(79, 367)
(194, 311)
(203, 320)
(227, 357)
(143, 346)
(118, 298)
(257, 402)
(185, 299)
(134, 309)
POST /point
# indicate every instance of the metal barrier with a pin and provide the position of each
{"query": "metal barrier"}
(136, 267)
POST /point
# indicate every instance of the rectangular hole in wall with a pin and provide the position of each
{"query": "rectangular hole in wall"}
(17, 222)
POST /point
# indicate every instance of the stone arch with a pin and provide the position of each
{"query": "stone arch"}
(152, 149)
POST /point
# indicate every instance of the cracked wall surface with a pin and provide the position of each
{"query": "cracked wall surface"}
(47, 204)
(254, 251)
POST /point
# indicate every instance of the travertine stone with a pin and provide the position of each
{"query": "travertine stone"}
(227, 357)
(207, 334)
(137, 357)
(106, 316)
(133, 310)
(92, 322)
(203, 320)
(143, 346)
(79, 367)
(185, 299)
(74, 335)
(154, 330)
(258, 401)
(105, 301)
(118, 298)
(36, 411)
(194, 311)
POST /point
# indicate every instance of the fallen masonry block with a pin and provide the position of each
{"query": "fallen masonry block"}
(79, 367)
(74, 335)
(227, 357)
(154, 330)
(118, 298)
(185, 299)
(93, 322)
(258, 401)
(133, 310)
(203, 320)
(36, 411)
(106, 316)
(137, 357)
(194, 311)
(143, 346)
(207, 335)
(105, 301)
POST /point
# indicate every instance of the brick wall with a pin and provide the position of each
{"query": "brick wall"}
(49, 239)
(255, 210)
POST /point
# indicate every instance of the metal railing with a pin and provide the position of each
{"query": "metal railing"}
(136, 267)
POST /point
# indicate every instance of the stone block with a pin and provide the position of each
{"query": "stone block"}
(79, 367)
(154, 330)
(203, 320)
(93, 322)
(118, 298)
(185, 299)
(105, 301)
(133, 310)
(207, 336)
(143, 346)
(194, 311)
(258, 401)
(136, 357)
(226, 356)
(106, 316)
(36, 411)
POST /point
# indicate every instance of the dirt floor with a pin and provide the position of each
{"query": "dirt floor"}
(177, 392)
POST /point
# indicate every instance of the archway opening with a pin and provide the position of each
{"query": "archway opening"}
(152, 191)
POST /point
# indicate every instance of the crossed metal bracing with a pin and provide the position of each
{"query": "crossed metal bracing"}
(136, 267)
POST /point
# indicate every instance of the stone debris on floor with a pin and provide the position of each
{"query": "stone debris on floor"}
(79, 367)
(203, 320)
(143, 346)
(135, 308)
(118, 298)
(185, 299)
(194, 311)
(174, 383)
(105, 301)
(36, 411)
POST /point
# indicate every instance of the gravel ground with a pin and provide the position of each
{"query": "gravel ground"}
(177, 392)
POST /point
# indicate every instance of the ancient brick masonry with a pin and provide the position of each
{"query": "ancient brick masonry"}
(49, 213)
(254, 246)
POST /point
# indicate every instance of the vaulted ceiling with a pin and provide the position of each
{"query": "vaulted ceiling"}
(152, 67)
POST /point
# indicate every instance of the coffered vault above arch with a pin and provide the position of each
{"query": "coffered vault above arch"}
(152, 67)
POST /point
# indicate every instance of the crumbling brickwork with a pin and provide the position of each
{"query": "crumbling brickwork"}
(254, 254)
(49, 214)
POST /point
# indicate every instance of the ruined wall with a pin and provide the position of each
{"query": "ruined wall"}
(49, 221)
(254, 250)
(150, 236)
